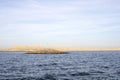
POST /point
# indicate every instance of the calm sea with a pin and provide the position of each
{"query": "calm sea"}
(87, 65)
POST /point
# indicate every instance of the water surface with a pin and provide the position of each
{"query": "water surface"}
(84, 65)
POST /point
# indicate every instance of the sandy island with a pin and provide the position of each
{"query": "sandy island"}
(45, 50)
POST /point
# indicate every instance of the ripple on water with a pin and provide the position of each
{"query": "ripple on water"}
(80, 74)
(44, 77)
(73, 66)
(50, 64)
(96, 72)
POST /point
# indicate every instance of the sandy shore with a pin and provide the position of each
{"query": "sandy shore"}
(47, 49)
(88, 49)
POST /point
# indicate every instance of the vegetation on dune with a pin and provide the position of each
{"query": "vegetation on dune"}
(34, 50)
(45, 51)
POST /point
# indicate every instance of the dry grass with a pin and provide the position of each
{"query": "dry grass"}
(46, 51)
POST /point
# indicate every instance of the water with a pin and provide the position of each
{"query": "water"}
(86, 65)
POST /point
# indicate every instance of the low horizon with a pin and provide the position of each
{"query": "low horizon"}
(60, 23)
(37, 46)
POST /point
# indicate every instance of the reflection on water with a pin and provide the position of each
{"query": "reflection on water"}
(73, 66)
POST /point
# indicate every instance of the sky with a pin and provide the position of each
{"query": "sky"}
(60, 23)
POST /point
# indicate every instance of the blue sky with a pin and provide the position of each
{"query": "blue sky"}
(60, 23)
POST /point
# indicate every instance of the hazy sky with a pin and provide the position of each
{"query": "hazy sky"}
(60, 23)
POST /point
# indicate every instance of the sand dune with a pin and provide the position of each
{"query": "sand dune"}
(88, 49)
(34, 50)
(45, 49)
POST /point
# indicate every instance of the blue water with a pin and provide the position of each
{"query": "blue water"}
(93, 65)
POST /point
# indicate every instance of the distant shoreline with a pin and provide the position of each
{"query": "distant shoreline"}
(36, 48)
(68, 50)
(88, 49)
